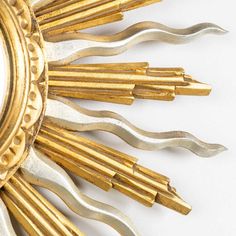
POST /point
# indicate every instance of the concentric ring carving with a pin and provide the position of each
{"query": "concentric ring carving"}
(28, 83)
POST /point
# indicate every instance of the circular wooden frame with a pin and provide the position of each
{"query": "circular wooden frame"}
(27, 85)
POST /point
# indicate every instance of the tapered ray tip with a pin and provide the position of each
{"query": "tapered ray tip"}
(193, 88)
(215, 28)
(176, 203)
(187, 209)
(211, 150)
(198, 147)
(217, 149)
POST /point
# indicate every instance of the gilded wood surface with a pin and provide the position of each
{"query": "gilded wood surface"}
(122, 82)
(64, 16)
(28, 85)
(107, 168)
(33, 211)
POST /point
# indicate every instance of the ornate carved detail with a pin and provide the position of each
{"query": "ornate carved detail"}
(28, 82)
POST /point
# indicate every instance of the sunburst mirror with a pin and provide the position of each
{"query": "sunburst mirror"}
(39, 40)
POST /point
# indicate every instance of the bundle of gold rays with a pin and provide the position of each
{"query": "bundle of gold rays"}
(122, 82)
(33, 211)
(39, 127)
(107, 168)
(64, 16)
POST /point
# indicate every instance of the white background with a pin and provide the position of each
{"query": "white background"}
(209, 185)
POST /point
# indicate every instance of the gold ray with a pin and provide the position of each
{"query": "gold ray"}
(122, 82)
(107, 168)
(33, 211)
(73, 15)
(33, 42)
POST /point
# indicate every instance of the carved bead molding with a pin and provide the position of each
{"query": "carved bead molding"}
(27, 85)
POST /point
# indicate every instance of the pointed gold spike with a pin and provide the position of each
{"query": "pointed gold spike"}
(107, 168)
(122, 82)
(34, 212)
(73, 15)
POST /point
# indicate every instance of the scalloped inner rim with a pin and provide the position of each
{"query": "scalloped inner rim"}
(3, 73)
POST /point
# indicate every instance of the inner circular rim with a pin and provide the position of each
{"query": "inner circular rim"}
(18, 87)
(4, 58)
(22, 80)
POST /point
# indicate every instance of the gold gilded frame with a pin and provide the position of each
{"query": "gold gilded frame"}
(27, 83)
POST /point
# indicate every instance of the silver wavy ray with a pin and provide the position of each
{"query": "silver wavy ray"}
(37, 4)
(78, 45)
(73, 117)
(41, 171)
(6, 228)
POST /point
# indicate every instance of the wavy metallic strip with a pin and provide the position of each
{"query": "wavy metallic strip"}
(37, 4)
(6, 228)
(78, 45)
(39, 170)
(73, 117)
